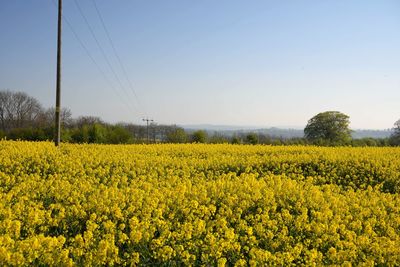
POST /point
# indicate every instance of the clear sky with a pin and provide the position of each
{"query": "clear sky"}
(225, 62)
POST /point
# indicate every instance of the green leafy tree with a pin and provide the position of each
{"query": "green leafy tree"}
(330, 127)
(118, 135)
(235, 140)
(97, 133)
(176, 135)
(80, 135)
(252, 138)
(218, 138)
(199, 136)
(395, 137)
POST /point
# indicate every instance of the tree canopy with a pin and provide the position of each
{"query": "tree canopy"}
(199, 136)
(18, 110)
(330, 127)
(395, 137)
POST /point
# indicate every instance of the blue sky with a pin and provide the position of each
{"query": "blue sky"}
(259, 63)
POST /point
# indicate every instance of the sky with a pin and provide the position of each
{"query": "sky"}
(227, 62)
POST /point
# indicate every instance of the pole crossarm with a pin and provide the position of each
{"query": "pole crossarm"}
(147, 120)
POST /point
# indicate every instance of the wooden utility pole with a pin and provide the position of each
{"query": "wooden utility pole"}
(147, 120)
(58, 82)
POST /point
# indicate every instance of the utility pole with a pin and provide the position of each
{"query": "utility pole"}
(58, 82)
(147, 120)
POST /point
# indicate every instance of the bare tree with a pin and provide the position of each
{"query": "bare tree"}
(48, 117)
(18, 110)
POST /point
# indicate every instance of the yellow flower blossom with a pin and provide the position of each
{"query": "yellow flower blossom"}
(198, 205)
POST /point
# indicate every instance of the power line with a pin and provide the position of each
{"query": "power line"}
(102, 51)
(116, 54)
(92, 59)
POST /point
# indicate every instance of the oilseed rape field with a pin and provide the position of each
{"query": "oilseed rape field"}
(198, 205)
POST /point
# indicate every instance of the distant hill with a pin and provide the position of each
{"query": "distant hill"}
(284, 133)
(218, 128)
(357, 134)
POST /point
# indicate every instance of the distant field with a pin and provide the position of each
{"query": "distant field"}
(195, 204)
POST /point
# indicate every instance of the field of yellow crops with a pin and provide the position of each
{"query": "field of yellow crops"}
(192, 204)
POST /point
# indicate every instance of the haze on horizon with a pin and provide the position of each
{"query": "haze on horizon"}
(258, 63)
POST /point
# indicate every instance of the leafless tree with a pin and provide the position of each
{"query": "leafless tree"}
(48, 117)
(18, 110)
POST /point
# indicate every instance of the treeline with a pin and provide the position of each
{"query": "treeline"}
(254, 138)
(22, 117)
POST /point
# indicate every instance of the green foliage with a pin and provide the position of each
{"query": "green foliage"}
(100, 134)
(252, 138)
(395, 137)
(199, 136)
(368, 141)
(328, 128)
(177, 135)
(218, 138)
(394, 140)
(235, 140)
(97, 134)
(30, 134)
(80, 135)
(118, 135)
